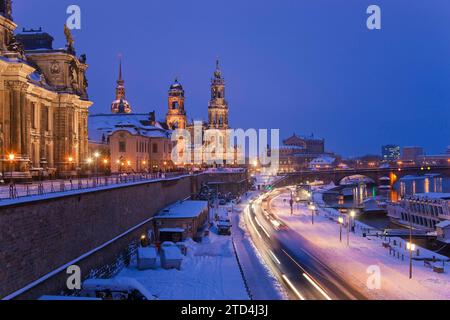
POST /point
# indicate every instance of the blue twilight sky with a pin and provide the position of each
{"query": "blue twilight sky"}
(309, 66)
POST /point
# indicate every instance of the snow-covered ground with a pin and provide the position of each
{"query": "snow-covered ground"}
(262, 282)
(364, 255)
(209, 272)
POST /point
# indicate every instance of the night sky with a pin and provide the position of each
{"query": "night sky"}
(304, 66)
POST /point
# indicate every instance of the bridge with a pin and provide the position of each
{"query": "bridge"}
(375, 174)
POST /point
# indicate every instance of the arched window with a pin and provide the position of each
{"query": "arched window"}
(175, 105)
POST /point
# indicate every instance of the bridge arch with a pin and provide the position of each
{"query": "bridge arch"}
(356, 178)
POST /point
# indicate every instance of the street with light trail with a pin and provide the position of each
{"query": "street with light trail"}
(285, 252)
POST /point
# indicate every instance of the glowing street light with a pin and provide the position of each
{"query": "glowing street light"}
(411, 247)
(11, 158)
(313, 211)
(341, 222)
(352, 219)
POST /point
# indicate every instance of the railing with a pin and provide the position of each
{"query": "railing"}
(19, 191)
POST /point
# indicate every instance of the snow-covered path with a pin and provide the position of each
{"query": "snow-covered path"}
(363, 255)
(262, 283)
(210, 272)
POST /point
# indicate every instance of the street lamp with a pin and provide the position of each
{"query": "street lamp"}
(96, 156)
(11, 158)
(411, 248)
(313, 210)
(353, 216)
(144, 164)
(70, 159)
(105, 165)
(341, 222)
(89, 162)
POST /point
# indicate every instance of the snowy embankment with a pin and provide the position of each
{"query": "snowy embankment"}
(209, 272)
(357, 262)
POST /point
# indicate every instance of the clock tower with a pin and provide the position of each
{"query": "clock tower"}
(176, 116)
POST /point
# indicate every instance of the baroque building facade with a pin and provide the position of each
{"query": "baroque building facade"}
(43, 102)
(129, 142)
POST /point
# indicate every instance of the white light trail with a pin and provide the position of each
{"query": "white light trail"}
(315, 285)
(263, 229)
(251, 221)
(274, 257)
(292, 287)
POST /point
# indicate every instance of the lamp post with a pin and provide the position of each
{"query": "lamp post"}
(70, 164)
(105, 164)
(410, 245)
(353, 216)
(313, 210)
(291, 203)
(11, 158)
(96, 155)
(341, 222)
(89, 162)
(348, 230)
(411, 248)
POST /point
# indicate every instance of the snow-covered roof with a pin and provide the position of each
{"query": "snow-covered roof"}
(443, 224)
(118, 283)
(103, 125)
(433, 196)
(172, 253)
(183, 209)
(147, 253)
(172, 230)
(323, 160)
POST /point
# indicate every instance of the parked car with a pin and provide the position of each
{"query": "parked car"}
(224, 227)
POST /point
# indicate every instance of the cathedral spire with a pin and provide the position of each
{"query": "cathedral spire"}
(120, 81)
(218, 72)
(120, 105)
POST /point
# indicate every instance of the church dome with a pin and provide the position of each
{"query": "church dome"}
(176, 86)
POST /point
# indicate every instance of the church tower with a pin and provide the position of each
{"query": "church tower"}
(120, 105)
(176, 116)
(218, 106)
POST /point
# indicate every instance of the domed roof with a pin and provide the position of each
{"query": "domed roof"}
(176, 86)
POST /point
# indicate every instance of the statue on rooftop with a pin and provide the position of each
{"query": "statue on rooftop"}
(69, 39)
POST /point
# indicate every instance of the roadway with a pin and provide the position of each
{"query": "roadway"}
(285, 252)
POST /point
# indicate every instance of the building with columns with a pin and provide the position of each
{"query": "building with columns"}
(43, 102)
